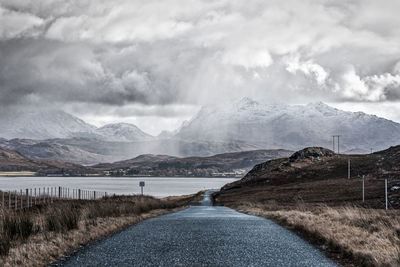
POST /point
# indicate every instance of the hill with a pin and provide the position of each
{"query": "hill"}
(227, 164)
(309, 193)
(12, 161)
(317, 175)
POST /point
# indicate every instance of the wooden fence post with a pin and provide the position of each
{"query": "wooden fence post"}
(27, 197)
(16, 200)
(9, 200)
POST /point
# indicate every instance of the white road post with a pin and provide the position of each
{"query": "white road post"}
(348, 169)
(386, 194)
(363, 188)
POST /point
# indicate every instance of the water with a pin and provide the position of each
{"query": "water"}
(155, 186)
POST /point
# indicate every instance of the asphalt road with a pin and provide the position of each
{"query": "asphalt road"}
(201, 236)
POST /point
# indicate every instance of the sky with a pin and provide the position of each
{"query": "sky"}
(154, 63)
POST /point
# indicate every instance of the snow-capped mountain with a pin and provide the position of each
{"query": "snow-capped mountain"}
(290, 126)
(230, 127)
(122, 132)
(42, 124)
(51, 124)
(172, 134)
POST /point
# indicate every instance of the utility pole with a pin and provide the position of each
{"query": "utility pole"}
(333, 143)
(338, 144)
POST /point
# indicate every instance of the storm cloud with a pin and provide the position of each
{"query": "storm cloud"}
(140, 57)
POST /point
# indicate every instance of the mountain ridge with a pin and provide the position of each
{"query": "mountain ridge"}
(291, 126)
(228, 127)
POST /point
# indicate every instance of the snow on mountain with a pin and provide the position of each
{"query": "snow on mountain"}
(172, 134)
(122, 132)
(42, 124)
(234, 126)
(51, 124)
(290, 126)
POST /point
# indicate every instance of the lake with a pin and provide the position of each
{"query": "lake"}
(155, 186)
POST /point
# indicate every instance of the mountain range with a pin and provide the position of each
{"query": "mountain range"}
(51, 124)
(228, 127)
(226, 165)
(291, 126)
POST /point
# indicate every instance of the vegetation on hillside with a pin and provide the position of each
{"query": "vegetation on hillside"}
(311, 194)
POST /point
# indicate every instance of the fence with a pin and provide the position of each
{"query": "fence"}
(34, 196)
(388, 185)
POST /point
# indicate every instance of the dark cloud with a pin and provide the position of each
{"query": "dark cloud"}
(169, 53)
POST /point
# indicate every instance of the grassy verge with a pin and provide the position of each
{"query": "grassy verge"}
(352, 235)
(38, 236)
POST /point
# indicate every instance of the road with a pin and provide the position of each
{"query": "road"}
(201, 236)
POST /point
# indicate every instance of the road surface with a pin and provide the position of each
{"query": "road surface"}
(201, 236)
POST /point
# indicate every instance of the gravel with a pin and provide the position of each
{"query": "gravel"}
(201, 236)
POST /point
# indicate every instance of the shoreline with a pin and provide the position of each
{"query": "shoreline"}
(102, 176)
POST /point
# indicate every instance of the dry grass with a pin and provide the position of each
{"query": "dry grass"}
(39, 236)
(353, 235)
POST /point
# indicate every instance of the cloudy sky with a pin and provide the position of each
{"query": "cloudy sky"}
(153, 63)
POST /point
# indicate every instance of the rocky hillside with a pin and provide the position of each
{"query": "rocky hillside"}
(316, 174)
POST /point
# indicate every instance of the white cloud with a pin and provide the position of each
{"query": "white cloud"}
(368, 88)
(123, 52)
(248, 58)
(309, 68)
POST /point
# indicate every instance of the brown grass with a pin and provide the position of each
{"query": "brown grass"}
(38, 236)
(352, 235)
